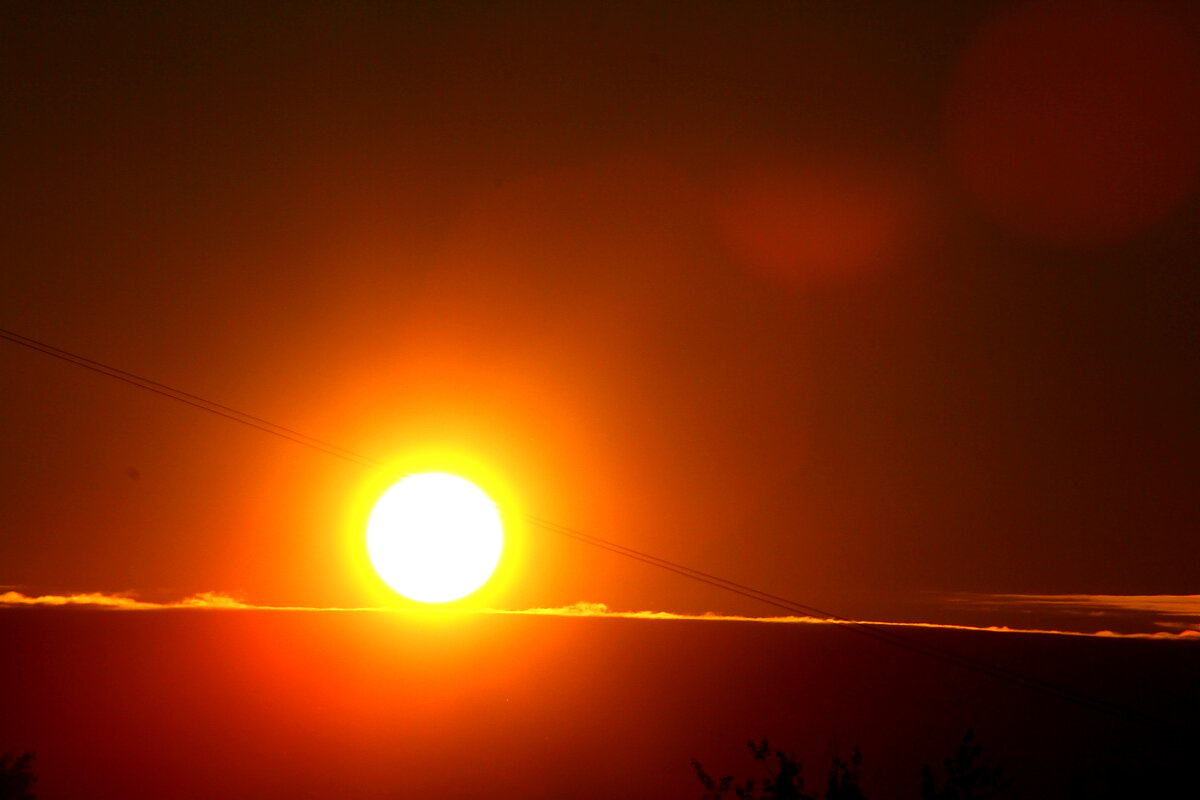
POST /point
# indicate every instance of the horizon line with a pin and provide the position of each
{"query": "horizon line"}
(221, 601)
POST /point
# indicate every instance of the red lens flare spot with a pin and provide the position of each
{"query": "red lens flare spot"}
(1077, 123)
(807, 224)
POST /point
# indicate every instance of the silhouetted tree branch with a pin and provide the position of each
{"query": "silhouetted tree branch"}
(843, 778)
(16, 777)
(968, 775)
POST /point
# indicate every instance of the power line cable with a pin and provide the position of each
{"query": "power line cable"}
(873, 631)
(188, 398)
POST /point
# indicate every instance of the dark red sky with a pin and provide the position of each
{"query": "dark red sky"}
(861, 305)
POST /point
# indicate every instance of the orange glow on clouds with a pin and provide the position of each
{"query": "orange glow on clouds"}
(1169, 605)
(1173, 604)
(1077, 123)
(118, 601)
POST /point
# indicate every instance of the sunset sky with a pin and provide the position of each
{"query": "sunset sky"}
(891, 310)
(877, 309)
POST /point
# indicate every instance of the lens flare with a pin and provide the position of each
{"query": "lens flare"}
(1076, 123)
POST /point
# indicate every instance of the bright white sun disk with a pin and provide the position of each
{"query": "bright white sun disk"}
(434, 537)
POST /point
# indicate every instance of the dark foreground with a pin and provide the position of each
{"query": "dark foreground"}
(265, 704)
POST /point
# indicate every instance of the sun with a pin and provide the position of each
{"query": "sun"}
(434, 537)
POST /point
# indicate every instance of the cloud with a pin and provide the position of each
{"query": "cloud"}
(211, 600)
(1167, 605)
(226, 602)
(583, 609)
(127, 601)
(11, 598)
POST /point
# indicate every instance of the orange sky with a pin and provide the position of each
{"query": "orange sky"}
(828, 300)
(887, 309)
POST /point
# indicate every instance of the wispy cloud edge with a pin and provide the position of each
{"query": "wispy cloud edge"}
(1169, 605)
(227, 602)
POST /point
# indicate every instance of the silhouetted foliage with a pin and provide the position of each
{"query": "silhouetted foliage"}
(843, 778)
(16, 777)
(784, 778)
(968, 777)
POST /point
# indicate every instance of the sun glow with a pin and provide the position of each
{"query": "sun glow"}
(434, 537)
